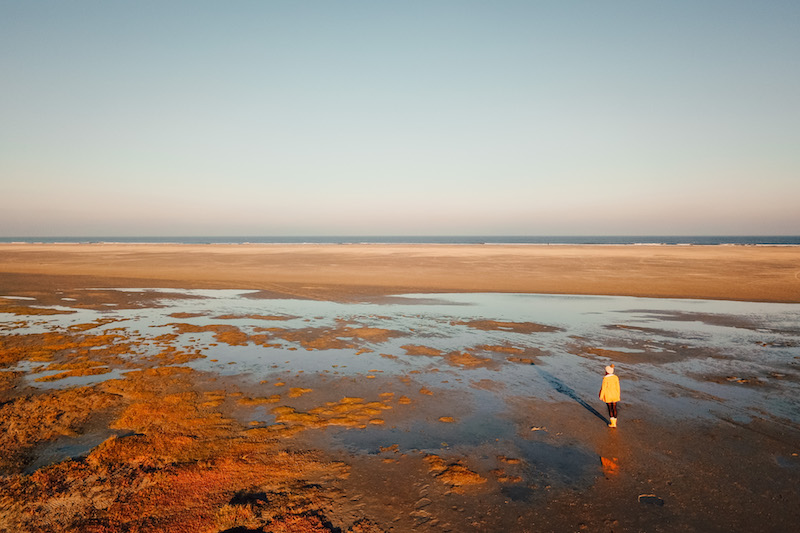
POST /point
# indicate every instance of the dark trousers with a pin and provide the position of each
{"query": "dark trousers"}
(612, 409)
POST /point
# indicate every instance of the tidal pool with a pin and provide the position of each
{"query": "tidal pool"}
(462, 360)
(714, 347)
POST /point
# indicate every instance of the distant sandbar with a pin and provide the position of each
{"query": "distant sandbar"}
(350, 272)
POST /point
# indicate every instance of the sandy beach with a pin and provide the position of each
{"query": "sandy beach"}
(294, 388)
(770, 274)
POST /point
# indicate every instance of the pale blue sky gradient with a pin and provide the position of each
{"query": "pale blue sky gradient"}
(399, 118)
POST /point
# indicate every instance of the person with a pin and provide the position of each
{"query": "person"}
(609, 393)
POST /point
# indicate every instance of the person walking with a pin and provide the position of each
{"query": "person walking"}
(609, 393)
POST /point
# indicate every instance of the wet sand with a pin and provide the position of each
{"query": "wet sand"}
(160, 446)
(762, 273)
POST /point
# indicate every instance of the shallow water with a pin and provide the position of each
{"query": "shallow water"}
(684, 358)
(678, 340)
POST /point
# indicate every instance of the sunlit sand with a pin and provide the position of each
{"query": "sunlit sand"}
(754, 273)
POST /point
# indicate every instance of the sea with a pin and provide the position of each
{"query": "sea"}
(686, 240)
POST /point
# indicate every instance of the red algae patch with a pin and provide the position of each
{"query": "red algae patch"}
(13, 307)
(503, 477)
(466, 359)
(261, 400)
(9, 380)
(370, 334)
(515, 327)
(458, 475)
(350, 412)
(342, 337)
(414, 349)
(602, 352)
(224, 333)
(170, 355)
(506, 349)
(50, 346)
(92, 371)
(30, 420)
(185, 315)
(91, 325)
(255, 317)
(296, 392)
(454, 474)
(521, 360)
(186, 468)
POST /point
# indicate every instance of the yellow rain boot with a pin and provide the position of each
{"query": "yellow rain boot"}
(613, 423)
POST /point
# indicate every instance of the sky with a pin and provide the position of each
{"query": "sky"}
(415, 117)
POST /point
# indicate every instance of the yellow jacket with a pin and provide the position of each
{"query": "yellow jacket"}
(609, 392)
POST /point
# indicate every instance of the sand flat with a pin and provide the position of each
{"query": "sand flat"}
(204, 410)
(754, 273)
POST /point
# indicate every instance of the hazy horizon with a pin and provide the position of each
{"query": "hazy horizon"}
(418, 118)
(420, 238)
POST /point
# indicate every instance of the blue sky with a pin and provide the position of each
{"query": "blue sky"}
(414, 117)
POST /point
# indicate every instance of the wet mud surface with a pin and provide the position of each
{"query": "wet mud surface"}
(223, 410)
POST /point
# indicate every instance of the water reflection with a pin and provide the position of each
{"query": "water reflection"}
(725, 360)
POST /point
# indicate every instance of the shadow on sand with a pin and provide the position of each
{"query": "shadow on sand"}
(568, 391)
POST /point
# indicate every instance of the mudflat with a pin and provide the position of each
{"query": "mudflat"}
(751, 273)
(378, 388)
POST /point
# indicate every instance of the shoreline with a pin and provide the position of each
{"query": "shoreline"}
(590, 240)
(352, 271)
(210, 414)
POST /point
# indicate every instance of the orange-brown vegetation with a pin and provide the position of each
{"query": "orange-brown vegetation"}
(454, 474)
(612, 354)
(341, 337)
(455, 358)
(351, 412)
(516, 327)
(91, 325)
(9, 380)
(55, 346)
(255, 317)
(224, 333)
(296, 392)
(466, 359)
(171, 355)
(413, 349)
(30, 420)
(15, 308)
(261, 400)
(500, 349)
(88, 371)
(503, 477)
(394, 448)
(185, 315)
(186, 467)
